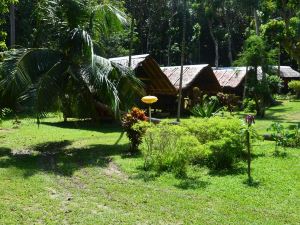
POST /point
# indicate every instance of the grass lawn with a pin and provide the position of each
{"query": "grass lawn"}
(80, 173)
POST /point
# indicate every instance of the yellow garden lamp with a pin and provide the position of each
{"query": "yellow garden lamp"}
(149, 100)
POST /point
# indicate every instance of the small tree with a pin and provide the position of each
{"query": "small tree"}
(256, 57)
(249, 122)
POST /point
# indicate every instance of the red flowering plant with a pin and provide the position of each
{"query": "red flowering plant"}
(135, 116)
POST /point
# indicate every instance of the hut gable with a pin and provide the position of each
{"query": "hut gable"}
(288, 72)
(135, 60)
(148, 71)
(200, 76)
(230, 77)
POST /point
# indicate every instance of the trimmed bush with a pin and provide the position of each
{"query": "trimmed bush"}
(295, 86)
(170, 148)
(216, 142)
(221, 137)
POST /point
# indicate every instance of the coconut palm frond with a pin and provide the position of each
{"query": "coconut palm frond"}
(21, 69)
(107, 18)
(128, 85)
(79, 46)
(50, 86)
(96, 78)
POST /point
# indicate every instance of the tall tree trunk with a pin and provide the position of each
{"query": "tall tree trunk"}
(169, 50)
(246, 83)
(131, 41)
(257, 24)
(229, 39)
(182, 61)
(216, 43)
(12, 20)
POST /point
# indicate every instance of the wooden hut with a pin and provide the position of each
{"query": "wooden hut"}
(163, 82)
(197, 80)
(155, 81)
(287, 74)
(231, 79)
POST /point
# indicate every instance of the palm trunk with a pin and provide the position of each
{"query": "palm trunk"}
(12, 20)
(216, 43)
(182, 61)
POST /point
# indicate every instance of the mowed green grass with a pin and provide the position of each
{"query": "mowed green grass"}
(81, 173)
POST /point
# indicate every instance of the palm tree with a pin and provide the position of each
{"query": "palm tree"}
(48, 76)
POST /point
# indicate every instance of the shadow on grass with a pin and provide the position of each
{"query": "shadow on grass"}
(236, 170)
(252, 183)
(5, 152)
(192, 183)
(89, 125)
(60, 158)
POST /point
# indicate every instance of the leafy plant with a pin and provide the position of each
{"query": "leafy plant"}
(134, 133)
(279, 135)
(230, 101)
(205, 109)
(295, 86)
(249, 105)
(275, 83)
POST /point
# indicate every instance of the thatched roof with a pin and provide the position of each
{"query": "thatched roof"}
(288, 72)
(148, 70)
(135, 60)
(201, 76)
(233, 77)
(230, 76)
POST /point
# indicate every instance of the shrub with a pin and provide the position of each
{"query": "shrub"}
(284, 137)
(134, 134)
(230, 101)
(170, 147)
(220, 137)
(214, 141)
(295, 86)
(249, 105)
(275, 83)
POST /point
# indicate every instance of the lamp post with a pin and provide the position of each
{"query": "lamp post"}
(149, 100)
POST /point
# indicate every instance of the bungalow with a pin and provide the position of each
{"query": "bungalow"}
(163, 82)
(288, 74)
(232, 79)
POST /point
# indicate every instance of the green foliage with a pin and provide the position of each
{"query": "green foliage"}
(207, 108)
(215, 142)
(275, 83)
(134, 133)
(295, 86)
(170, 147)
(230, 101)
(44, 75)
(4, 9)
(284, 137)
(249, 105)
(223, 139)
(279, 135)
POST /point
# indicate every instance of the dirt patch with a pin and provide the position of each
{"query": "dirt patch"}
(114, 170)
